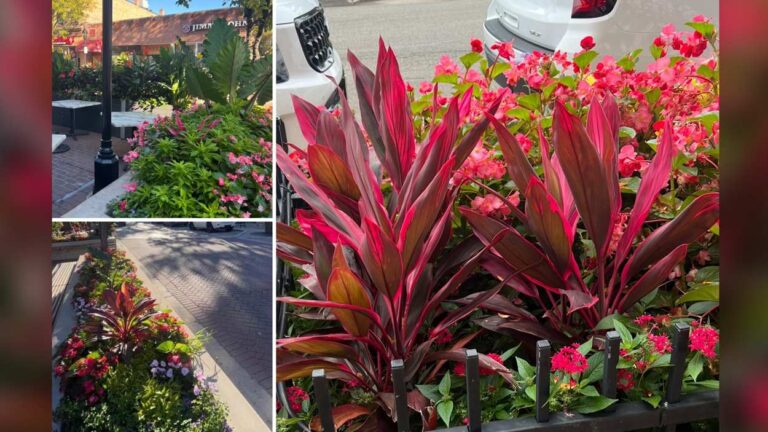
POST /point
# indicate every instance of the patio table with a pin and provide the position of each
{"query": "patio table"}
(56, 143)
(73, 105)
(131, 118)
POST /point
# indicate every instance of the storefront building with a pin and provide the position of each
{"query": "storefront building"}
(146, 36)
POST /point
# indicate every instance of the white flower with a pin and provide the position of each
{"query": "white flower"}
(154, 363)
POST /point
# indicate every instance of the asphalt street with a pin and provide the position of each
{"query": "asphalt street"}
(419, 31)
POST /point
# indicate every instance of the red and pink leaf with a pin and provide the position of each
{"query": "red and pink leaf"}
(655, 276)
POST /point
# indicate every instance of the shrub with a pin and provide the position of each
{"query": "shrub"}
(206, 162)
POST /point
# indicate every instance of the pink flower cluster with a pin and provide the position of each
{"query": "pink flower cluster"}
(704, 339)
(569, 360)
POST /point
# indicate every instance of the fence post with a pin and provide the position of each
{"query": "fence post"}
(323, 400)
(543, 362)
(401, 398)
(473, 390)
(679, 352)
(610, 360)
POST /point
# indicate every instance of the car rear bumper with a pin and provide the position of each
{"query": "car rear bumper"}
(494, 32)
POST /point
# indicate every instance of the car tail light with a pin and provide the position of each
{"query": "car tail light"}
(592, 8)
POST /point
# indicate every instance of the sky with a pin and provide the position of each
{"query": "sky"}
(194, 5)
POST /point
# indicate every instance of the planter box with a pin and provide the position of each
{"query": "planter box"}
(71, 250)
(95, 206)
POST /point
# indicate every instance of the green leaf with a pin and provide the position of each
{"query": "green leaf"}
(586, 347)
(594, 372)
(695, 366)
(470, 59)
(710, 384)
(166, 347)
(652, 400)
(508, 353)
(607, 322)
(708, 274)
(594, 404)
(626, 132)
(707, 119)
(653, 95)
(499, 68)
(629, 184)
(705, 28)
(568, 81)
(584, 59)
(445, 384)
(701, 292)
(655, 51)
(445, 409)
(626, 336)
(525, 369)
(430, 391)
(520, 112)
(530, 391)
(662, 361)
(699, 308)
(532, 101)
(589, 391)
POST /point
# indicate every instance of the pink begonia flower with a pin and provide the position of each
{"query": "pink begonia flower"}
(425, 87)
(446, 66)
(221, 181)
(130, 156)
(246, 215)
(232, 158)
(130, 187)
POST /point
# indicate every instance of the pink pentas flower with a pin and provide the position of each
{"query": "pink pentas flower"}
(130, 187)
(232, 158)
(123, 205)
(296, 397)
(704, 339)
(569, 360)
(660, 343)
(625, 380)
(644, 320)
(446, 66)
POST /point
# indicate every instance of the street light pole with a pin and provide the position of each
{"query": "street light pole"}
(106, 165)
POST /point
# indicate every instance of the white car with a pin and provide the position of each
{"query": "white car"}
(618, 26)
(212, 226)
(304, 59)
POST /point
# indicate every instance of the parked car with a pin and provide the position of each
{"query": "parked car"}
(212, 226)
(304, 59)
(618, 26)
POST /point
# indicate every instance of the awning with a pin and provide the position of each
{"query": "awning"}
(94, 46)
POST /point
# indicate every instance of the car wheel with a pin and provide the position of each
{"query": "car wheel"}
(209, 227)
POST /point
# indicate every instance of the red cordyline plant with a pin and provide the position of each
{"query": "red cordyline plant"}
(581, 189)
(372, 263)
(123, 322)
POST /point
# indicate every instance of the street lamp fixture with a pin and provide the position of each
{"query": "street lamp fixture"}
(106, 165)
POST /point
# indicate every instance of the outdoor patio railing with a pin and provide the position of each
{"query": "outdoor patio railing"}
(623, 416)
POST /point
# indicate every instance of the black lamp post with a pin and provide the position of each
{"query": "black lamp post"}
(106, 166)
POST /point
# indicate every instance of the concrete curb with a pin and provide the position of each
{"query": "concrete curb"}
(95, 206)
(241, 399)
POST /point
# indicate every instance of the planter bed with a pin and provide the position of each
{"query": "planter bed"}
(137, 374)
(70, 250)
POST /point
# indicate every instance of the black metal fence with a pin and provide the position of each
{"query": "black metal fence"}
(623, 416)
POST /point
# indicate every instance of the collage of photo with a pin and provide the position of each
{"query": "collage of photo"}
(385, 215)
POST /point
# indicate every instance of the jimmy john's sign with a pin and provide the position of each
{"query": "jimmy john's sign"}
(195, 27)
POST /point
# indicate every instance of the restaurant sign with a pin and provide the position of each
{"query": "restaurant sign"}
(194, 27)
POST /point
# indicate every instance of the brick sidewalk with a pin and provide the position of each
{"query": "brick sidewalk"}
(223, 280)
(72, 171)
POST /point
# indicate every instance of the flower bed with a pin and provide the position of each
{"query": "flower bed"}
(205, 162)
(590, 204)
(127, 365)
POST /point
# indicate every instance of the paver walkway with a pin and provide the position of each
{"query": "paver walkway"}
(73, 170)
(224, 280)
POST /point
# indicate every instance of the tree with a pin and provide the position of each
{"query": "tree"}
(68, 15)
